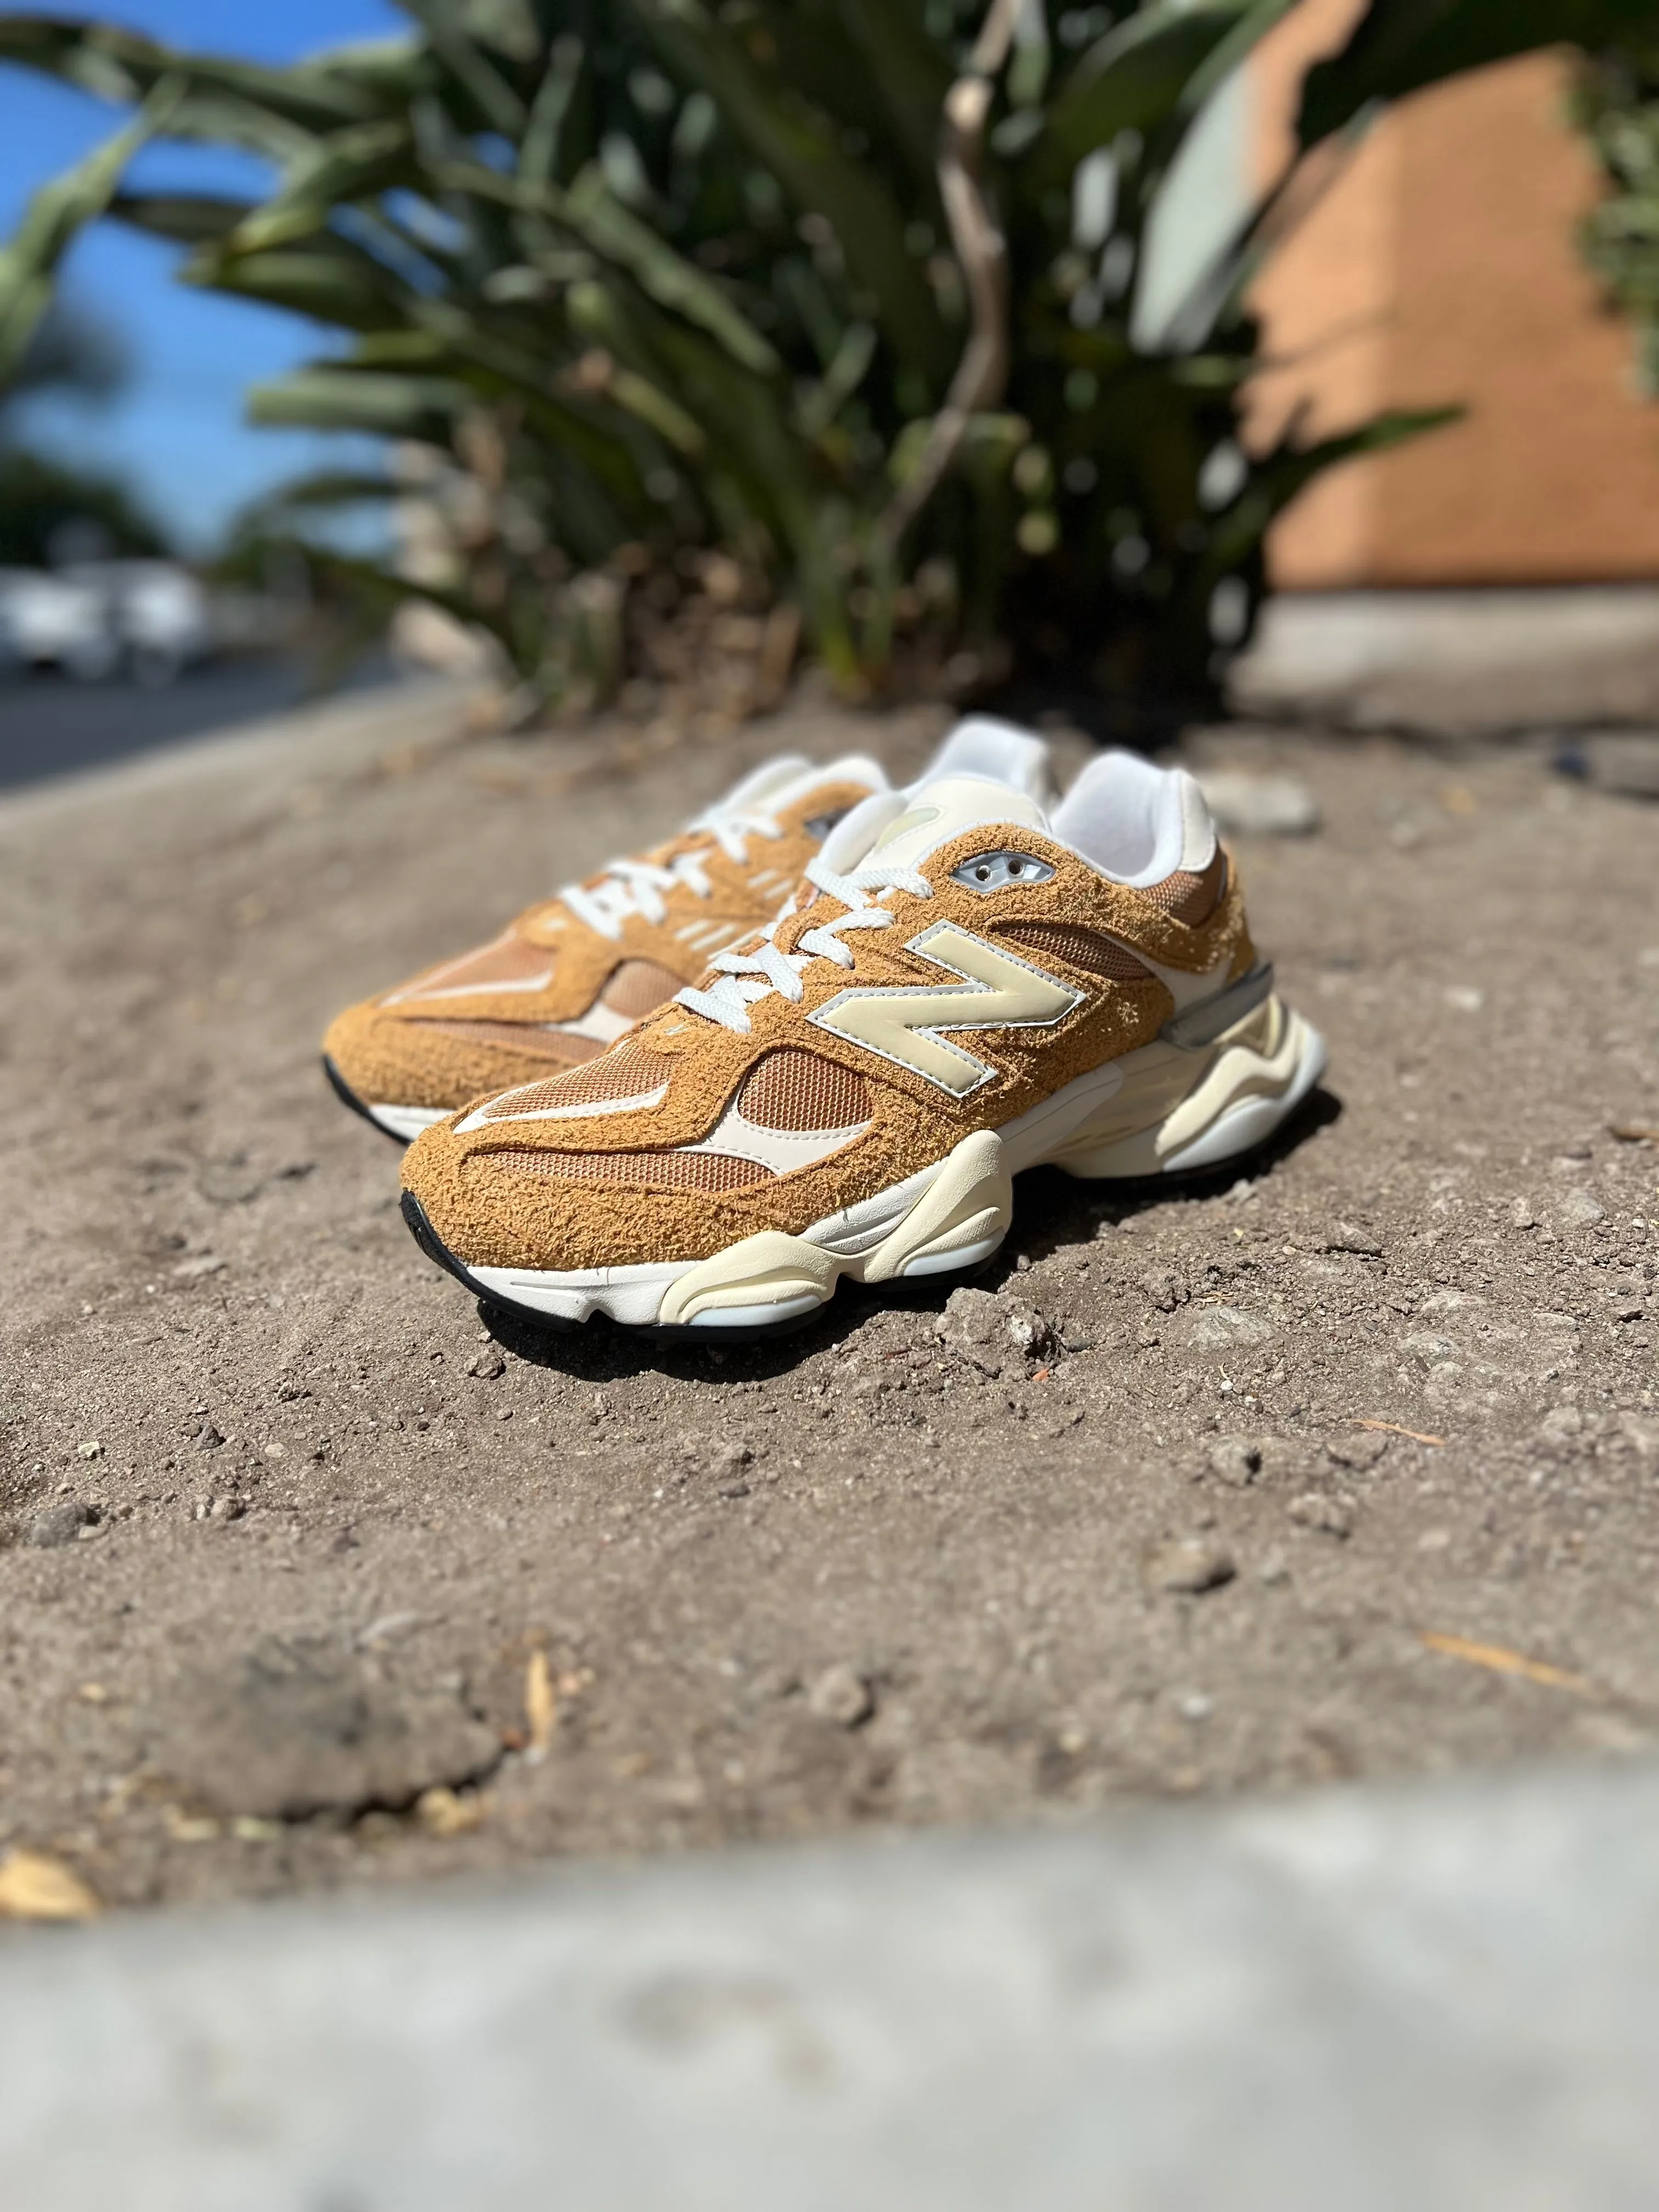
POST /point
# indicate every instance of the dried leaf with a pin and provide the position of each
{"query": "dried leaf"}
(35, 1887)
(1501, 1660)
(541, 1704)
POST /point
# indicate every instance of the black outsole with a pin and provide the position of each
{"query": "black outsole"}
(347, 1097)
(658, 1332)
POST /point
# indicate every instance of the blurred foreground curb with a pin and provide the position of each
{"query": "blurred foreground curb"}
(1438, 1997)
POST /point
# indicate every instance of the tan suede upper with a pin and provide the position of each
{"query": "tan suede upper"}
(480, 1023)
(495, 1202)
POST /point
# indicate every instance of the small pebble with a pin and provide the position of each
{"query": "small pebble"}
(1213, 1329)
(1164, 1288)
(1331, 1517)
(1260, 805)
(1191, 1565)
(60, 1523)
(1031, 1332)
(1579, 1210)
(841, 1695)
(486, 1366)
(1236, 1459)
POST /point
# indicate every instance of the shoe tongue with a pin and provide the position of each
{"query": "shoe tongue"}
(936, 811)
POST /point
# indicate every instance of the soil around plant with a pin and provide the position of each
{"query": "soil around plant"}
(1347, 1464)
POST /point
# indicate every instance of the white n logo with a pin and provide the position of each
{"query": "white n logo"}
(902, 1021)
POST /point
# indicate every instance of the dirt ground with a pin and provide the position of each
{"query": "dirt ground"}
(305, 1578)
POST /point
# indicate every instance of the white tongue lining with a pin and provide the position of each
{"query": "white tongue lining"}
(758, 786)
(776, 783)
(1001, 752)
(1135, 823)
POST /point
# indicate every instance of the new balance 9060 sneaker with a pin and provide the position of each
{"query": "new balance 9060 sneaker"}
(965, 987)
(570, 975)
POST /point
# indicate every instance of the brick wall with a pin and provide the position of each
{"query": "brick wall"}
(1439, 266)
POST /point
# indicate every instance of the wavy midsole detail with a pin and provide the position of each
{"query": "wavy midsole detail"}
(1158, 1110)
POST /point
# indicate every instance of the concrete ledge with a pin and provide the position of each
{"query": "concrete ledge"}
(1469, 662)
(1439, 1998)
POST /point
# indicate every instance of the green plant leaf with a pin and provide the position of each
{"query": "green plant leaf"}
(56, 216)
(1400, 46)
(593, 211)
(326, 277)
(910, 74)
(189, 218)
(124, 66)
(805, 155)
(446, 27)
(336, 398)
(355, 164)
(1134, 78)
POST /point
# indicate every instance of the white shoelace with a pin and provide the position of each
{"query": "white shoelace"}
(626, 887)
(750, 976)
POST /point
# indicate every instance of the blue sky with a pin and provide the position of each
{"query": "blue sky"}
(178, 429)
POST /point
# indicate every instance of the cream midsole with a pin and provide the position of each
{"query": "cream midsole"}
(407, 1121)
(1157, 1111)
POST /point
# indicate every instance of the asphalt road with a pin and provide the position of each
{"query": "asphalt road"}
(50, 725)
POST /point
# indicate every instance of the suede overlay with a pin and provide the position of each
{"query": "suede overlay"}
(491, 1217)
(391, 1052)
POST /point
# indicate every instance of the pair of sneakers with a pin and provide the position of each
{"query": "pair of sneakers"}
(819, 1033)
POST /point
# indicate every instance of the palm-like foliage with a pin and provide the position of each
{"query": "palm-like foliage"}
(840, 293)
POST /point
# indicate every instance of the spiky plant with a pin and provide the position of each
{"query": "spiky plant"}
(832, 301)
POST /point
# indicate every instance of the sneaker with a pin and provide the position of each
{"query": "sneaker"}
(570, 977)
(968, 985)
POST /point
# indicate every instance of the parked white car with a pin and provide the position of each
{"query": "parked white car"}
(92, 618)
(156, 612)
(48, 621)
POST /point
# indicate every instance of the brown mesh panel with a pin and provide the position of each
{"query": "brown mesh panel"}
(794, 1090)
(639, 987)
(509, 960)
(1191, 898)
(531, 1039)
(625, 1072)
(658, 1170)
(1088, 948)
